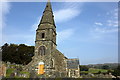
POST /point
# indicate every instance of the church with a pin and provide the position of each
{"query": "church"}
(47, 60)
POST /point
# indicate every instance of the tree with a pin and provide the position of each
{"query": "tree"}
(109, 71)
(105, 67)
(116, 71)
(83, 68)
(19, 54)
(99, 72)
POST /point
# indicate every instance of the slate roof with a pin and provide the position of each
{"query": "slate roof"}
(72, 63)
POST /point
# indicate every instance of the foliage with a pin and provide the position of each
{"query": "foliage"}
(110, 71)
(24, 72)
(105, 67)
(100, 66)
(83, 68)
(99, 72)
(19, 54)
(9, 71)
(93, 70)
(116, 71)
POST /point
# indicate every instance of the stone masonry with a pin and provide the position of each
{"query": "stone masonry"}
(56, 64)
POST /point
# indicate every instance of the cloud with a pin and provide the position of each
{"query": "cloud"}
(4, 10)
(109, 28)
(28, 39)
(35, 25)
(20, 38)
(105, 35)
(111, 24)
(64, 35)
(65, 14)
(113, 20)
(105, 30)
(115, 13)
(98, 23)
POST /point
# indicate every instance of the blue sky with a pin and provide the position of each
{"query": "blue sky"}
(85, 30)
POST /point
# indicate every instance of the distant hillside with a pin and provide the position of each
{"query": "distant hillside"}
(100, 66)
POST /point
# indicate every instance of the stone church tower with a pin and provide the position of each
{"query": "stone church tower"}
(55, 63)
(46, 33)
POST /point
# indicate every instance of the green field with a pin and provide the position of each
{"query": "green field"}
(93, 70)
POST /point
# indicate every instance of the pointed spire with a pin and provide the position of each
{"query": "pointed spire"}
(47, 15)
(48, 6)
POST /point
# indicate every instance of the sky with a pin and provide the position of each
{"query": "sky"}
(85, 30)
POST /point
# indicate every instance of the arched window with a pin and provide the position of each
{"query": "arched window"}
(41, 50)
(52, 63)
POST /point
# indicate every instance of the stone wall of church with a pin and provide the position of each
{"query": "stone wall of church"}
(59, 62)
(55, 63)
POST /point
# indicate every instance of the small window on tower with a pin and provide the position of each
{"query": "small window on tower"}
(43, 35)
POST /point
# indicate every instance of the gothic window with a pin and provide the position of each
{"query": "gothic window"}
(41, 50)
(43, 35)
(52, 62)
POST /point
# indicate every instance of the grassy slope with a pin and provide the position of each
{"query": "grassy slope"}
(9, 71)
(93, 70)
